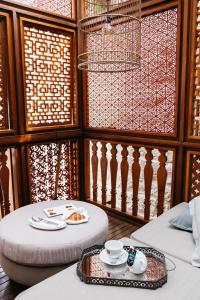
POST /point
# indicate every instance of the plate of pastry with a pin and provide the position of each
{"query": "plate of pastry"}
(79, 217)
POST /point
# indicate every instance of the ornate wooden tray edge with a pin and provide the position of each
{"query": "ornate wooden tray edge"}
(148, 251)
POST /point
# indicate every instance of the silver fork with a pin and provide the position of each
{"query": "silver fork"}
(39, 219)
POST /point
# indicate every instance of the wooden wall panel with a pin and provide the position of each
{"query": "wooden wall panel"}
(135, 179)
(192, 175)
(7, 92)
(143, 100)
(194, 97)
(53, 171)
(49, 75)
(38, 66)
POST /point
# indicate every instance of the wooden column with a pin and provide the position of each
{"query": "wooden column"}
(136, 179)
(104, 164)
(148, 177)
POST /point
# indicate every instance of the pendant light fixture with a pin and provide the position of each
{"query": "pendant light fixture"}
(110, 35)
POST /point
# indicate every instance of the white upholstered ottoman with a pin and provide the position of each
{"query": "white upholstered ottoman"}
(29, 255)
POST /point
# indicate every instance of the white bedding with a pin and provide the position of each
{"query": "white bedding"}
(195, 213)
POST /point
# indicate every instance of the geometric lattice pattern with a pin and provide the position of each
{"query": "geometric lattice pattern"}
(48, 59)
(143, 99)
(53, 171)
(194, 176)
(3, 80)
(196, 95)
(61, 7)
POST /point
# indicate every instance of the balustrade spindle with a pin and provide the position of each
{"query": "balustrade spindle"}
(124, 177)
(136, 169)
(104, 165)
(148, 177)
(161, 179)
(4, 184)
(94, 169)
(113, 174)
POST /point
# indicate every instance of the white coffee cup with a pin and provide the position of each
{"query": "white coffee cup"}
(114, 248)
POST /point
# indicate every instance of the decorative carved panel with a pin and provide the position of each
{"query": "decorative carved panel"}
(61, 7)
(53, 171)
(4, 118)
(193, 175)
(49, 57)
(144, 99)
(195, 101)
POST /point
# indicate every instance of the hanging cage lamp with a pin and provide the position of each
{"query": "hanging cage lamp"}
(110, 35)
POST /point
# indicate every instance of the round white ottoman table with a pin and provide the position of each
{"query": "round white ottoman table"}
(29, 255)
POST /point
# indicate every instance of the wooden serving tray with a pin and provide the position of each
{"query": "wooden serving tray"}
(92, 270)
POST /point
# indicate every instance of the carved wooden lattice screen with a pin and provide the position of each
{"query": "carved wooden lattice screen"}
(194, 115)
(38, 65)
(193, 175)
(4, 96)
(53, 171)
(135, 178)
(61, 7)
(48, 76)
(143, 100)
(192, 189)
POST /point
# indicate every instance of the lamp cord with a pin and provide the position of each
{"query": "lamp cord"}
(173, 263)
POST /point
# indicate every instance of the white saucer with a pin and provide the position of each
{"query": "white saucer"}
(104, 257)
(44, 226)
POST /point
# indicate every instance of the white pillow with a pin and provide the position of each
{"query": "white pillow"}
(194, 206)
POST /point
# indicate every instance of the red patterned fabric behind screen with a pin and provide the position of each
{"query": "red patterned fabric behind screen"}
(144, 99)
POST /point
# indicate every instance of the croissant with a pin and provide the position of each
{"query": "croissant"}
(76, 217)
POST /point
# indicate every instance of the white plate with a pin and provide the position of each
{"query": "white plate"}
(44, 226)
(84, 213)
(104, 257)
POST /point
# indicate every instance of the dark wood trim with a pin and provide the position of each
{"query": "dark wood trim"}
(115, 136)
(155, 135)
(9, 64)
(18, 76)
(30, 138)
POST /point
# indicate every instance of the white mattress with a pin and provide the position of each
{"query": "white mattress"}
(183, 284)
(162, 236)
